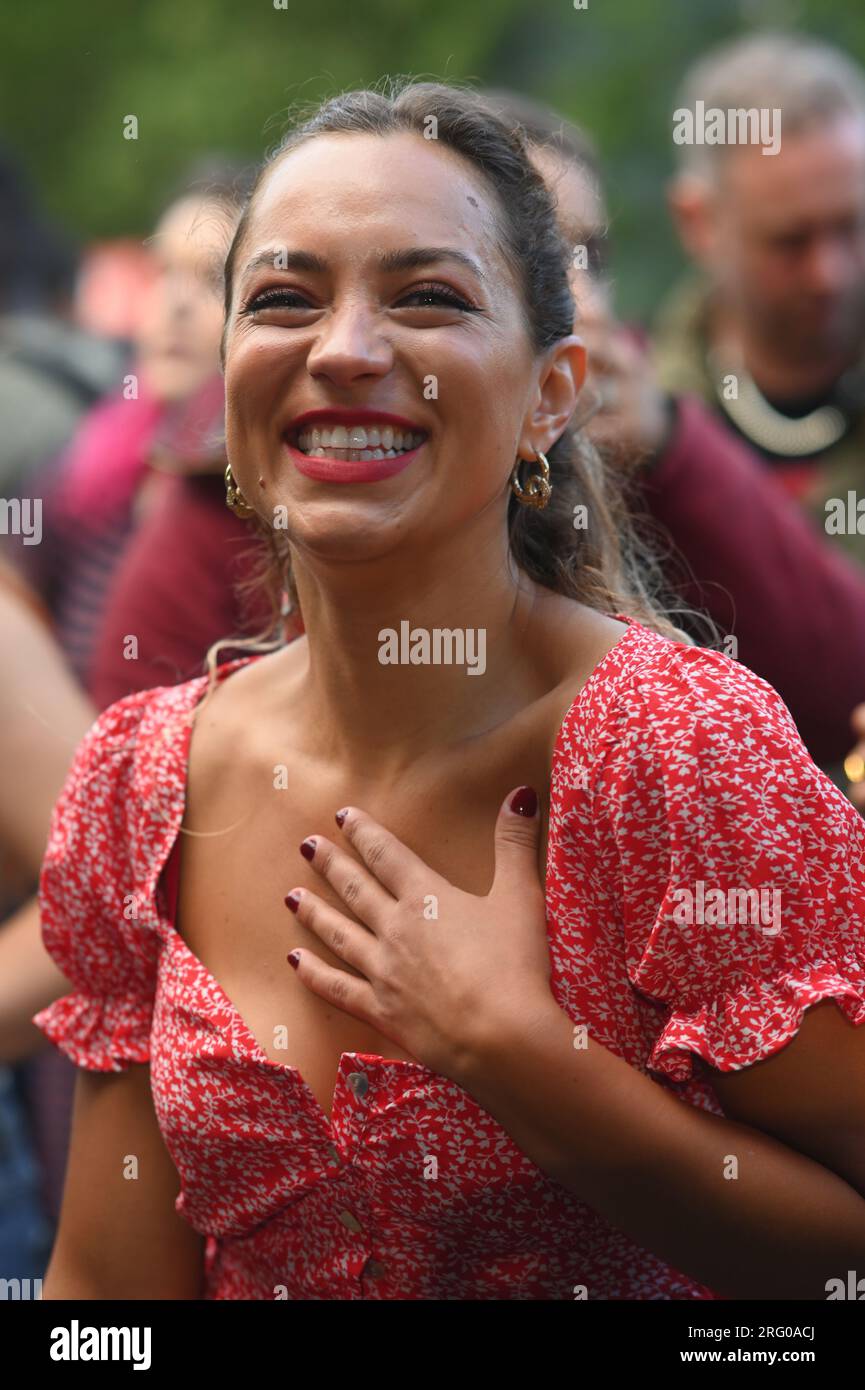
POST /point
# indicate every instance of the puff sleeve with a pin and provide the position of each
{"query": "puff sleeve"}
(92, 922)
(741, 866)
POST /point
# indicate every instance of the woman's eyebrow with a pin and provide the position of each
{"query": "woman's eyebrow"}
(413, 258)
(417, 256)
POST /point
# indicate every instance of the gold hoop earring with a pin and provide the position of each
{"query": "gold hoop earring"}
(538, 489)
(234, 498)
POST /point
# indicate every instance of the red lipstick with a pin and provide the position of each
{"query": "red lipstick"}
(330, 470)
(344, 471)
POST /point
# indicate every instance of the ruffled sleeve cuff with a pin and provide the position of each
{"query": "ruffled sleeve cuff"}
(741, 1028)
(99, 1033)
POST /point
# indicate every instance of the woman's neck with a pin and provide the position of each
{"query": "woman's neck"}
(397, 664)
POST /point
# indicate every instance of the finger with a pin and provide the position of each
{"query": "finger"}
(393, 864)
(857, 720)
(351, 943)
(518, 830)
(351, 881)
(347, 992)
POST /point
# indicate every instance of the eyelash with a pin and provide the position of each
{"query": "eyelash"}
(270, 299)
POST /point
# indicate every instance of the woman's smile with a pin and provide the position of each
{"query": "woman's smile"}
(352, 446)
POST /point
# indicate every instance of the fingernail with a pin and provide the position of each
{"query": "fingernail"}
(524, 802)
(293, 900)
(307, 849)
(293, 959)
(340, 816)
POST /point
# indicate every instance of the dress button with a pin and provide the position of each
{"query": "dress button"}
(374, 1269)
(359, 1082)
(350, 1221)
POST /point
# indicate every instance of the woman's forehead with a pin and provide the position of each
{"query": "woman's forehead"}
(414, 189)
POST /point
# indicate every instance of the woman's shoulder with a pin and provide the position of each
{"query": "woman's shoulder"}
(666, 728)
(120, 806)
(684, 741)
(133, 729)
(677, 696)
(132, 759)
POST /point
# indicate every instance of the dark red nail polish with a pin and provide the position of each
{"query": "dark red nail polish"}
(524, 802)
(340, 817)
(307, 849)
(293, 959)
(293, 901)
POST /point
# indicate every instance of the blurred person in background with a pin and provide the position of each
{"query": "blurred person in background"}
(733, 543)
(188, 576)
(95, 493)
(114, 277)
(769, 327)
(52, 370)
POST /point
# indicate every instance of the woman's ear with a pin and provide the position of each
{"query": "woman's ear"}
(558, 390)
(578, 357)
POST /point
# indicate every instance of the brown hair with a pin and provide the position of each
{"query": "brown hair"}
(603, 566)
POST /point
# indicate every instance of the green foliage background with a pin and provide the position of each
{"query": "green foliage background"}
(220, 75)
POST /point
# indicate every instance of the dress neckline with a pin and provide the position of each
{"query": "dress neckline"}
(169, 866)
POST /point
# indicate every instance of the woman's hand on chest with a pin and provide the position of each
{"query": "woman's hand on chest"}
(438, 968)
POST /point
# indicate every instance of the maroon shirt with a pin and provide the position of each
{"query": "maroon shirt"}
(176, 591)
(765, 573)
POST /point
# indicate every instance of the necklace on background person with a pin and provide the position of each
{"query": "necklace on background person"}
(770, 429)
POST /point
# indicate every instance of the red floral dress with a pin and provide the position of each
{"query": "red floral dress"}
(675, 767)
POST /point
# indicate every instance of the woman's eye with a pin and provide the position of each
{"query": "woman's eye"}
(277, 299)
(434, 295)
(425, 296)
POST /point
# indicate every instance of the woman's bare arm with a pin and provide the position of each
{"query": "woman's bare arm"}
(720, 1200)
(810, 1094)
(119, 1235)
(43, 716)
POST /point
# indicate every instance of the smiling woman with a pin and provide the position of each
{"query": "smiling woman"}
(466, 1080)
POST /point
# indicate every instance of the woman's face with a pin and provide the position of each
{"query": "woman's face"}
(178, 340)
(370, 283)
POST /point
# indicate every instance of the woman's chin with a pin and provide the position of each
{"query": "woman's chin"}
(346, 533)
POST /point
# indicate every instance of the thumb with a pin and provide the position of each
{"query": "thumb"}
(518, 830)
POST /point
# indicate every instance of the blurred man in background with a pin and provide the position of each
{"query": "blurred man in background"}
(734, 545)
(770, 329)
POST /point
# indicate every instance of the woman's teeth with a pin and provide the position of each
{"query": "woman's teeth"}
(354, 443)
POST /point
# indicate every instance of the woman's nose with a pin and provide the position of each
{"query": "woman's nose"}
(349, 343)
